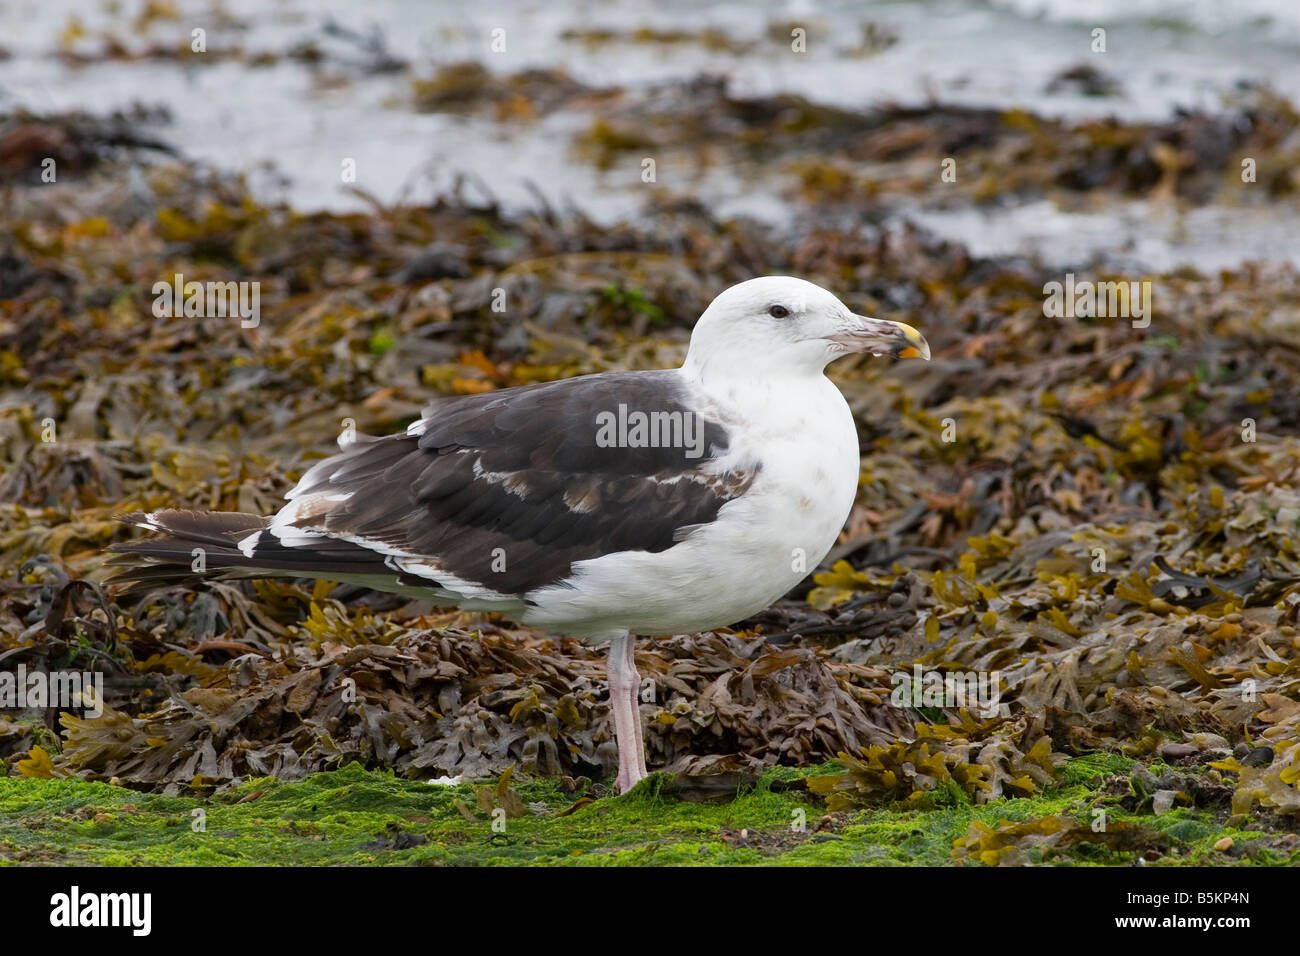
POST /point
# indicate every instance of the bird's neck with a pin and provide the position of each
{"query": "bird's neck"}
(725, 370)
(770, 395)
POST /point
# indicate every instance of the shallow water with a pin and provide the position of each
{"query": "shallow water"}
(290, 131)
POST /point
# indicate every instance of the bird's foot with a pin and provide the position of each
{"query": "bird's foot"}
(627, 779)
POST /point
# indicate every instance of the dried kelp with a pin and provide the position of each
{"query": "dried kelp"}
(1014, 844)
(1111, 525)
(984, 760)
(446, 700)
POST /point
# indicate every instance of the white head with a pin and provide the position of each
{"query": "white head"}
(782, 326)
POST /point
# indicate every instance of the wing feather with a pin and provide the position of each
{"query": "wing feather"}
(508, 490)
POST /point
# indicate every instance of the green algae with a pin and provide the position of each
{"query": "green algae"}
(354, 816)
(1094, 768)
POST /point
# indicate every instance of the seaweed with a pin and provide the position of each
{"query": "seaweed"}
(1098, 530)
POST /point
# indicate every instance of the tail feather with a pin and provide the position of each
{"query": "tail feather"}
(217, 528)
(235, 545)
(148, 563)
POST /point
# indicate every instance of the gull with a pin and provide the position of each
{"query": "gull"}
(603, 507)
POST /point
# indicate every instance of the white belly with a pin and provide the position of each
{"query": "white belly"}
(761, 544)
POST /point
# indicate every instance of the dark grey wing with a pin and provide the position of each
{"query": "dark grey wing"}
(507, 490)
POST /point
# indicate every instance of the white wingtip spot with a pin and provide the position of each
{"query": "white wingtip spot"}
(312, 506)
(150, 522)
(248, 543)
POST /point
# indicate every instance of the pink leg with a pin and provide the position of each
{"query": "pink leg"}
(635, 696)
(623, 688)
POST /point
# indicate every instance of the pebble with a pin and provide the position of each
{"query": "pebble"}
(1259, 757)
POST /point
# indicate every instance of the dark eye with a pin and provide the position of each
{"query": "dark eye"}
(778, 312)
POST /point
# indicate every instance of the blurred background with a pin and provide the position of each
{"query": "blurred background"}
(572, 95)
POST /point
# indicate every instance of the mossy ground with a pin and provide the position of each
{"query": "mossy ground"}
(359, 817)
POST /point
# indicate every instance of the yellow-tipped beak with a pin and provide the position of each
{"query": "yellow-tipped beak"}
(917, 346)
(883, 337)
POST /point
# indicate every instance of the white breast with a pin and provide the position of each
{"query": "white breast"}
(761, 544)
